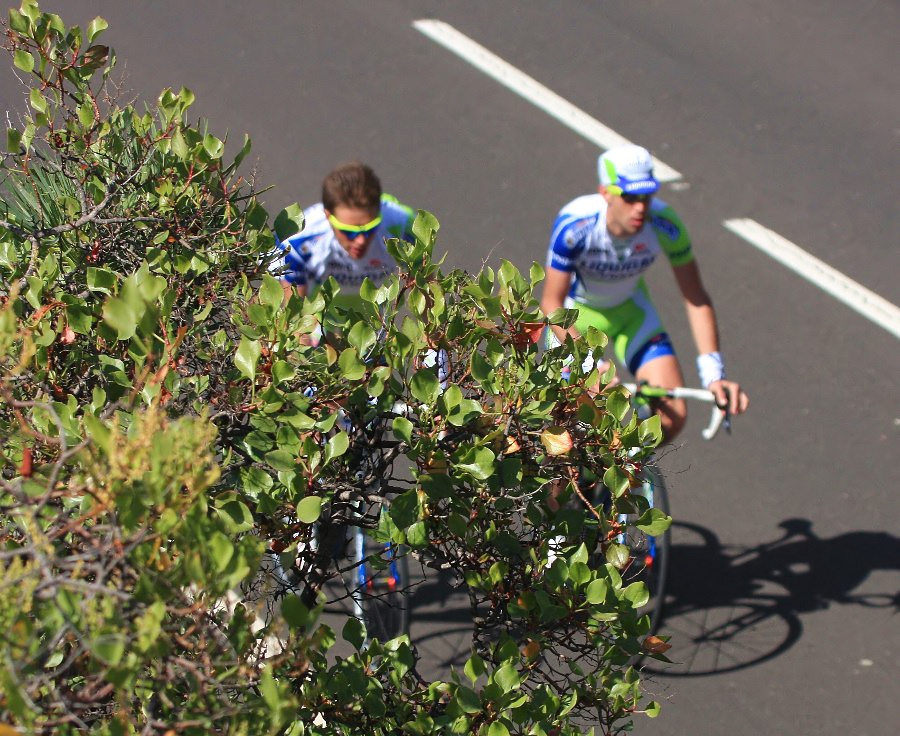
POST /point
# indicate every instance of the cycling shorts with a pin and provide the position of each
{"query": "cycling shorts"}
(633, 327)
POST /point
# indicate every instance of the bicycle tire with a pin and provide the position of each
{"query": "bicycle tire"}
(378, 582)
(649, 561)
(719, 631)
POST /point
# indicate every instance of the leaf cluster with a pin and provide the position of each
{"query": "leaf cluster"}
(176, 429)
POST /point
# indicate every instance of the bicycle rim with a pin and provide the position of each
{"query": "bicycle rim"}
(379, 586)
(650, 555)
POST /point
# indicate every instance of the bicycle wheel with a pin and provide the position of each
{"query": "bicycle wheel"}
(379, 584)
(729, 636)
(649, 556)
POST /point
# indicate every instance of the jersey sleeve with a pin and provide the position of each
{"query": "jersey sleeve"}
(291, 266)
(399, 217)
(673, 237)
(567, 241)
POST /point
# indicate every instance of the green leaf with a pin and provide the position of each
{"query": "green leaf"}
(477, 462)
(282, 371)
(617, 404)
(650, 431)
(368, 291)
(17, 21)
(255, 480)
(278, 459)
(271, 292)
(616, 480)
(563, 317)
(222, 550)
(242, 154)
(617, 555)
(497, 729)
(246, 357)
(417, 535)
(95, 28)
(498, 571)
(637, 594)
(101, 279)
(289, 221)
(474, 667)
(653, 522)
(13, 140)
(352, 369)
(596, 592)
(362, 337)
(468, 700)
(354, 632)
(122, 317)
(24, 61)
(268, 687)
(295, 613)
(425, 227)
(86, 115)
(108, 648)
(425, 386)
(579, 573)
(178, 145)
(437, 485)
(309, 509)
(403, 428)
(213, 146)
(481, 369)
(236, 516)
(336, 446)
(507, 677)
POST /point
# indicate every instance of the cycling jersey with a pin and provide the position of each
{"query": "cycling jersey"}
(607, 270)
(314, 254)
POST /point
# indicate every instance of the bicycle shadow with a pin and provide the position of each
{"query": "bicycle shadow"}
(728, 608)
(440, 624)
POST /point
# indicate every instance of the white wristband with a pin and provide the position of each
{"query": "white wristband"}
(711, 368)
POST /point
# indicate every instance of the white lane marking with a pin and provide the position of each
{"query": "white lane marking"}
(857, 297)
(854, 295)
(531, 90)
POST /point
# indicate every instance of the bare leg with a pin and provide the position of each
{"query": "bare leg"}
(665, 371)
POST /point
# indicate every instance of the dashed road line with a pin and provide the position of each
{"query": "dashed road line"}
(854, 295)
(530, 89)
(857, 297)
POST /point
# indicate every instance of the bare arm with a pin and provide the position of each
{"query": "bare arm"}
(702, 320)
(700, 313)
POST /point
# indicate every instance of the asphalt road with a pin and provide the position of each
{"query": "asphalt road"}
(787, 113)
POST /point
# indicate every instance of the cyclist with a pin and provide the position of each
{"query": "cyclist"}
(600, 246)
(344, 234)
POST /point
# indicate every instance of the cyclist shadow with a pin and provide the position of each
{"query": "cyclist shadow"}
(440, 624)
(728, 608)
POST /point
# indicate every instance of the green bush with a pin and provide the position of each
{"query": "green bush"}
(160, 434)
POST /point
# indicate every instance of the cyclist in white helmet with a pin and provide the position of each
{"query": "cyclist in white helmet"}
(600, 246)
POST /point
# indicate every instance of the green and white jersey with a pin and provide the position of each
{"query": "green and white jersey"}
(608, 270)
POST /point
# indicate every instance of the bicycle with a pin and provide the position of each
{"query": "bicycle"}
(378, 582)
(648, 554)
(373, 576)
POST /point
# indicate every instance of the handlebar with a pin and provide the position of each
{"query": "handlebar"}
(720, 415)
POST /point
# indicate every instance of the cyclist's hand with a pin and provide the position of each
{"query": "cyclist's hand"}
(730, 396)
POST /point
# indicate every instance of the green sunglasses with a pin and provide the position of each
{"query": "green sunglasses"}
(354, 231)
